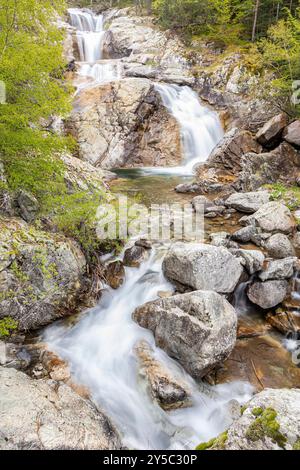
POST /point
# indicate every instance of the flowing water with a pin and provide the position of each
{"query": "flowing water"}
(100, 345)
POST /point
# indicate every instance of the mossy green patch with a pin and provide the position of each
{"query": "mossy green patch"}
(266, 425)
(216, 443)
(296, 445)
(7, 325)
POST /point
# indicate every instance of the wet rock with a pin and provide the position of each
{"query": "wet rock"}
(28, 206)
(168, 390)
(187, 188)
(39, 414)
(272, 217)
(279, 246)
(292, 133)
(268, 294)
(115, 274)
(253, 260)
(270, 421)
(144, 243)
(284, 321)
(198, 329)
(248, 202)
(224, 164)
(281, 165)
(44, 280)
(279, 269)
(201, 266)
(135, 256)
(270, 134)
(119, 124)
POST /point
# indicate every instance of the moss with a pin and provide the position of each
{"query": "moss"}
(17, 271)
(265, 425)
(7, 325)
(243, 409)
(296, 445)
(216, 443)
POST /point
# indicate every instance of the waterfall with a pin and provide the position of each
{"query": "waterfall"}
(201, 129)
(100, 352)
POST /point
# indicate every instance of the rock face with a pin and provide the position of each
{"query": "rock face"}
(169, 391)
(224, 163)
(292, 133)
(272, 217)
(42, 275)
(42, 415)
(120, 124)
(270, 421)
(198, 329)
(279, 246)
(271, 132)
(248, 202)
(268, 294)
(202, 267)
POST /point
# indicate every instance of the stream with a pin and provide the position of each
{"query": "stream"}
(99, 344)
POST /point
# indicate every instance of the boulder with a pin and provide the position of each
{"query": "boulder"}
(279, 246)
(245, 234)
(28, 206)
(279, 269)
(272, 217)
(224, 163)
(292, 133)
(281, 165)
(270, 134)
(169, 391)
(201, 266)
(253, 260)
(270, 421)
(268, 294)
(43, 275)
(115, 274)
(248, 202)
(82, 176)
(119, 124)
(44, 415)
(134, 256)
(198, 329)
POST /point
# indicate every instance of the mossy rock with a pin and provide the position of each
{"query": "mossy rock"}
(218, 443)
(266, 425)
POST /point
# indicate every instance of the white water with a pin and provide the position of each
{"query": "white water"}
(201, 129)
(99, 349)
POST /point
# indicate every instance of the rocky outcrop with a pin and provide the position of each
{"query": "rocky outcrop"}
(200, 266)
(120, 124)
(248, 202)
(270, 134)
(268, 294)
(270, 421)
(168, 390)
(272, 217)
(42, 276)
(198, 329)
(224, 163)
(43, 415)
(292, 133)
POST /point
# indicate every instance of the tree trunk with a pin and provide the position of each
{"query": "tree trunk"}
(255, 20)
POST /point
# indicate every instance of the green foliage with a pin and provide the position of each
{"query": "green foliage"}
(266, 425)
(216, 443)
(290, 195)
(7, 325)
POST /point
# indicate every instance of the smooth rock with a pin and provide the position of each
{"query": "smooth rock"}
(135, 256)
(115, 274)
(292, 133)
(268, 294)
(198, 329)
(201, 266)
(279, 246)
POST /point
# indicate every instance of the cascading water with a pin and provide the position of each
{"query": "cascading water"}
(201, 129)
(100, 351)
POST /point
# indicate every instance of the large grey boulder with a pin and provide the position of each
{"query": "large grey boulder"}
(202, 267)
(292, 133)
(279, 269)
(42, 275)
(268, 294)
(279, 246)
(270, 134)
(248, 202)
(198, 329)
(269, 421)
(272, 217)
(45, 415)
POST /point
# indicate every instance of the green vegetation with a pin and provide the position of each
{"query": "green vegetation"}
(216, 443)
(290, 195)
(296, 445)
(7, 326)
(264, 425)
